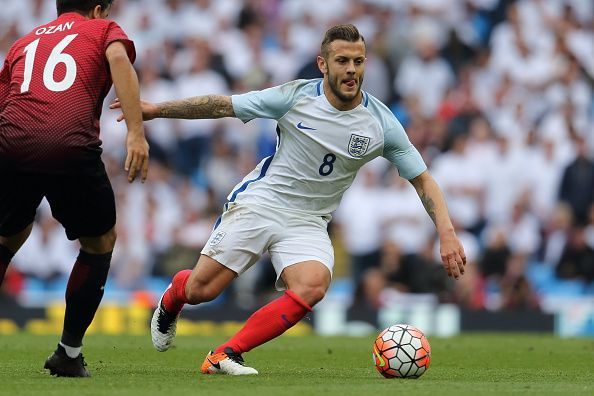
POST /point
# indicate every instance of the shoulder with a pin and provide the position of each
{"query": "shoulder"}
(380, 112)
(301, 87)
(109, 31)
(104, 26)
(19, 44)
(102, 23)
(273, 102)
(287, 93)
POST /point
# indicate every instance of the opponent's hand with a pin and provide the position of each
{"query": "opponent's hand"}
(137, 158)
(452, 254)
(149, 110)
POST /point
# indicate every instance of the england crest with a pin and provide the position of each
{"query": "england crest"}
(217, 238)
(358, 145)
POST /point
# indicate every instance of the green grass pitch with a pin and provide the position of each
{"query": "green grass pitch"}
(470, 364)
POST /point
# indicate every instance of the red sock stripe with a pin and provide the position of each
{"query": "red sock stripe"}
(78, 277)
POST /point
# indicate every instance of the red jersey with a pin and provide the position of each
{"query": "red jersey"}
(52, 87)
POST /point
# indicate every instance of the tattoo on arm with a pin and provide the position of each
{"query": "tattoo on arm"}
(208, 106)
(429, 206)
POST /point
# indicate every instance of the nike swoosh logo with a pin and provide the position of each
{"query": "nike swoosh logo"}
(215, 365)
(286, 320)
(301, 126)
(382, 362)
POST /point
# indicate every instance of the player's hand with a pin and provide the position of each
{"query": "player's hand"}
(452, 254)
(137, 159)
(149, 110)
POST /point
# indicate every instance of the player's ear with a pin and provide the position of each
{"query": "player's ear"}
(97, 13)
(322, 65)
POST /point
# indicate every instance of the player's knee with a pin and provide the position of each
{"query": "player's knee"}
(109, 239)
(317, 294)
(311, 294)
(99, 245)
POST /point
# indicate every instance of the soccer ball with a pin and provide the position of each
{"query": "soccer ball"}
(401, 351)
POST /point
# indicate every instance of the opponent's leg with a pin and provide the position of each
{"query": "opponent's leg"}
(9, 246)
(83, 295)
(5, 257)
(307, 283)
(208, 279)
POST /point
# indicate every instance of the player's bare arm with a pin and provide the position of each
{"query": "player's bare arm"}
(126, 85)
(197, 107)
(208, 106)
(451, 249)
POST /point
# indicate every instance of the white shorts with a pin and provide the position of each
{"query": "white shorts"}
(244, 233)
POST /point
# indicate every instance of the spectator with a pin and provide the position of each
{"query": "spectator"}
(463, 184)
(577, 183)
(407, 223)
(577, 259)
(194, 136)
(359, 220)
(424, 75)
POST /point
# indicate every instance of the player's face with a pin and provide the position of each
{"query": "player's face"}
(343, 71)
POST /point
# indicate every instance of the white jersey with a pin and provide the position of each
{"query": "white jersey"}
(319, 148)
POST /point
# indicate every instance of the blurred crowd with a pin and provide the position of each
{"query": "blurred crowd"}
(497, 95)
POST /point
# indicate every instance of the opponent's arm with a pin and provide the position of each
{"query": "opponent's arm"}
(127, 88)
(197, 107)
(451, 250)
(4, 85)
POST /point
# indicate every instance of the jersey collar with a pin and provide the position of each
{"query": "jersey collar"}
(320, 92)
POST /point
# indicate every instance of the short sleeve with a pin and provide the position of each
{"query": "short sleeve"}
(272, 103)
(115, 33)
(401, 152)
